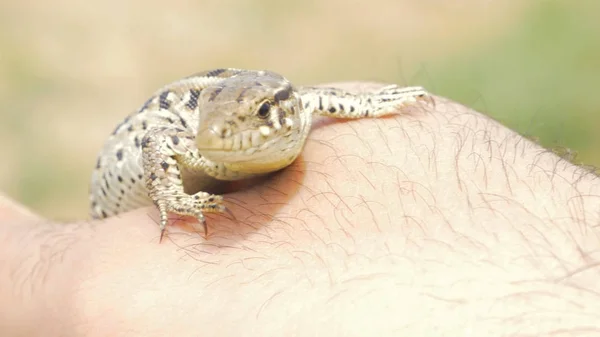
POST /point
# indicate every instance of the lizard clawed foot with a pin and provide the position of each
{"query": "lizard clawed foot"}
(396, 95)
(194, 205)
(390, 98)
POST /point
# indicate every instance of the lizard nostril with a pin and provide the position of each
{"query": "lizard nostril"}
(221, 130)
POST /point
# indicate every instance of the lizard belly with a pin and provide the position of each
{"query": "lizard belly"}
(118, 183)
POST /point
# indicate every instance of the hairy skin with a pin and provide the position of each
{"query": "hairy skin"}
(433, 223)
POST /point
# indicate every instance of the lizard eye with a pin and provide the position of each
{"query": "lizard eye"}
(264, 110)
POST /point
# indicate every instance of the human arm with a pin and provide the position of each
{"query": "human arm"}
(437, 222)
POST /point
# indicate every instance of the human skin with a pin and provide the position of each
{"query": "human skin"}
(434, 222)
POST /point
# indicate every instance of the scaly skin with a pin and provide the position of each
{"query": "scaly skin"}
(223, 124)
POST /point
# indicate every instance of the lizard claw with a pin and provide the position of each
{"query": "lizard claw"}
(202, 221)
(162, 234)
(229, 212)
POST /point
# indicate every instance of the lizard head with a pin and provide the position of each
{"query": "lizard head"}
(252, 122)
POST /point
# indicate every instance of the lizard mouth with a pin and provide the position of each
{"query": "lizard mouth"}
(254, 161)
(247, 145)
(233, 150)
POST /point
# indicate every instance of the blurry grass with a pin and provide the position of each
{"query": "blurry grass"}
(540, 80)
(39, 174)
(25, 85)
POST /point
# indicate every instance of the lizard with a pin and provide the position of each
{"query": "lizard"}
(218, 125)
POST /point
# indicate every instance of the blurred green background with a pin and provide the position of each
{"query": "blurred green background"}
(71, 70)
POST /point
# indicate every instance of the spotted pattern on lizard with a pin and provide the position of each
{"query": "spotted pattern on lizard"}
(223, 124)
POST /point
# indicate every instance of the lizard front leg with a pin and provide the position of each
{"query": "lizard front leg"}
(335, 102)
(165, 151)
